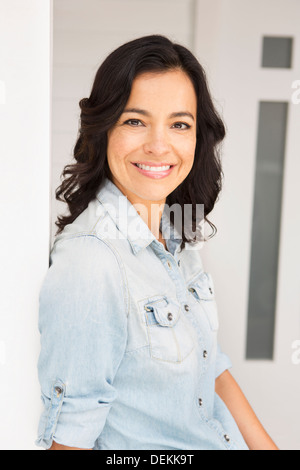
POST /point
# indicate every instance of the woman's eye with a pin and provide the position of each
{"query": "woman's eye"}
(133, 122)
(181, 125)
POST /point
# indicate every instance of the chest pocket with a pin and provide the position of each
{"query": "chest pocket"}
(169, 332)
(202, 289)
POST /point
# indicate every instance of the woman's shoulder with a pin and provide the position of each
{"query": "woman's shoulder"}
(84, 252)
(83, 268)
(83, 278)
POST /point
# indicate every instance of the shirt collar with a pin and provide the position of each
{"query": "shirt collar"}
(129, 222)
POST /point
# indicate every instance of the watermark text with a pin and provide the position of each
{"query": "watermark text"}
(296, 353)
(296, 94)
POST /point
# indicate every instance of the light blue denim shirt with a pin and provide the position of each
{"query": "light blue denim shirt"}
(129, 352)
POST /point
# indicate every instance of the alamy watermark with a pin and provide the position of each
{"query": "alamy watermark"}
(296, 353)
(296, 94)
(143, 221)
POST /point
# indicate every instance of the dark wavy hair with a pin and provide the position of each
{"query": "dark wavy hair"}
(99, 113)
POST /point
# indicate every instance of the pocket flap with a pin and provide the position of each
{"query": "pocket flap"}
(165, 312)
(203, 287)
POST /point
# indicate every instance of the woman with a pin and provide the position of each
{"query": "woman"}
(129, 356)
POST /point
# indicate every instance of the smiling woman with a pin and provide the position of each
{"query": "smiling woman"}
(125, 97)
(129, 353)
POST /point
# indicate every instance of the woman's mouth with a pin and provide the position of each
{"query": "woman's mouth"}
(154, 171)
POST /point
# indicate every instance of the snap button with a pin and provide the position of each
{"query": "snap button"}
(227, 438)
(148, 309)
(186, 308)
(58, 391)
(205, 354)
(200, 401)
(170, 316)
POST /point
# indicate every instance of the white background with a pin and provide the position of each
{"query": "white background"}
(24, 208)
(226, 37)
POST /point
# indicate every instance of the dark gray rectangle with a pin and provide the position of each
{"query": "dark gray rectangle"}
(277, 52)
(266, 229)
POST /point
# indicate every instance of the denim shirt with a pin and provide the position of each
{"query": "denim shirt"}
(129, 352)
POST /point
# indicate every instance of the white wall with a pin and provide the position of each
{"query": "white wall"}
(24, 209)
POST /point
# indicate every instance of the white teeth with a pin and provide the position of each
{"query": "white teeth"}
(153, 168)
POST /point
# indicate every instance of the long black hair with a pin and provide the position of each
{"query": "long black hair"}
(99, 113)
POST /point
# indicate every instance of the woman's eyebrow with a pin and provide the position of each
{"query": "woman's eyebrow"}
(172, 115)
(182, 114)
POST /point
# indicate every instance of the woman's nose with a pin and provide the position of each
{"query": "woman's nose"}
(157, 143)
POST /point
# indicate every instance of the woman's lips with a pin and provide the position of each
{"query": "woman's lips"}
(154, 174)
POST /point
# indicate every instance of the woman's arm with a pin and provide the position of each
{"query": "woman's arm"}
(83, 326)
(253, 432)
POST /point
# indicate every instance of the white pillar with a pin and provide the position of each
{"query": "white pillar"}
(25, 84)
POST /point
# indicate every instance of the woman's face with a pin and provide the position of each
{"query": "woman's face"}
(157, 129)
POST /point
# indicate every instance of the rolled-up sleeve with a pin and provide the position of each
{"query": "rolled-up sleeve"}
(222, 362)
(83, 327)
